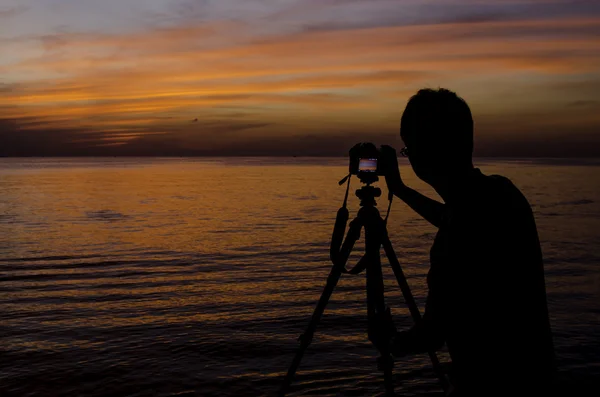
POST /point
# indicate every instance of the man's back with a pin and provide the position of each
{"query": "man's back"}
(487, 287)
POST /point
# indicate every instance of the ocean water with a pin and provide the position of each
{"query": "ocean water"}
(194, 277)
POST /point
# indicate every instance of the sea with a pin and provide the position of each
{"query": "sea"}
(196, 276)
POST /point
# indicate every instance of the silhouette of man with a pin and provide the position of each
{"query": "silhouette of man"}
(487, 296)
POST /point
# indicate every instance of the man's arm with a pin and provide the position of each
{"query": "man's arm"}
(424, 336)
(428, 208)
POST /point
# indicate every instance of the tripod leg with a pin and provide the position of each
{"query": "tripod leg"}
(412, 305)
(378, 314)
(332, 280)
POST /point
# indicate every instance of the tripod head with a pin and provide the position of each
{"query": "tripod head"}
(367, 195)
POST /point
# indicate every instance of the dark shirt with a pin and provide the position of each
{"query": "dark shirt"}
(487, 296)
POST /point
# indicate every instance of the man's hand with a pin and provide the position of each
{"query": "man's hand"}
(421, 338)
(389, 160)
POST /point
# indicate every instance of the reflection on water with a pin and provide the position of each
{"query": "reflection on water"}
(195, 277)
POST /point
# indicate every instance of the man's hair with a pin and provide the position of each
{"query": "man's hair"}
(440, 117)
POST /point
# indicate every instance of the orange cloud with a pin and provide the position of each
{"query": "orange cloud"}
(110, 82)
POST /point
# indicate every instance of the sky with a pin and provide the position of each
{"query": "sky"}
(292, 77)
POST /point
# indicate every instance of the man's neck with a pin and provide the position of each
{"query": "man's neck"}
(453, 185)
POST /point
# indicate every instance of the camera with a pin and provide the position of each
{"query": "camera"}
(365, 162)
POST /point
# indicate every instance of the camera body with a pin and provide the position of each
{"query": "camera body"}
(365, 162)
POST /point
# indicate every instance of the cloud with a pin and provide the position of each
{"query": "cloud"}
(10, 12)
(43, 142)
(584, 104)
(226, 139)
(351, 15)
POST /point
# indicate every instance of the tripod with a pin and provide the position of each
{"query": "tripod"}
(380, 324)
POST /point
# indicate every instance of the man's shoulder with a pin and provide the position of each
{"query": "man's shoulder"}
(492, 197)
(501, 188)
(504, 200)
(499, 182)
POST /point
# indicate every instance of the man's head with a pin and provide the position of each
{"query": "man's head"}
(437, 128)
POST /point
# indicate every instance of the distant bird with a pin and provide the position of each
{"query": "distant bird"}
(195, 121)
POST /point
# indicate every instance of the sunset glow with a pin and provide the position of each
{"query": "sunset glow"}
(291, 77)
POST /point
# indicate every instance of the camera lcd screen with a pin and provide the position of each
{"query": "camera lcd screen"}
(367, 165)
